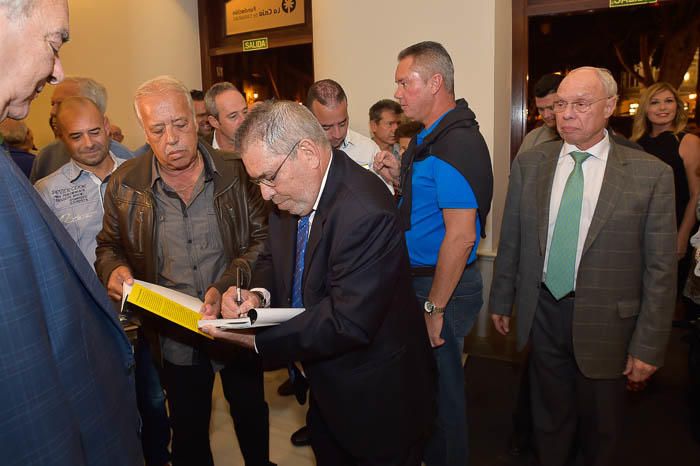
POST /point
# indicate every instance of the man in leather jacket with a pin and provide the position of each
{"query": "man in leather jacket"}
(184, 216)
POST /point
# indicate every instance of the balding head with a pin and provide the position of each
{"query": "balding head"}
(84, 131)
(31, 34)
(586, 98)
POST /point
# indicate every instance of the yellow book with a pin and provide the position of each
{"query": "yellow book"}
(169, 304)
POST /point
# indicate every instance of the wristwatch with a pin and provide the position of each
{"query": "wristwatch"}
(431, 309)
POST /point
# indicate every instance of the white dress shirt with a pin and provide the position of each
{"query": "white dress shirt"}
(264, 291)
(593, 173)
(362, 150)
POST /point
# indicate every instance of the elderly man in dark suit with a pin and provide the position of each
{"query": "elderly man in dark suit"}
(586, 255)
(66, 382)
(336, 248)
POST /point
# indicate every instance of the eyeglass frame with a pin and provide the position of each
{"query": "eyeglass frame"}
(270, 182)
(556, 108)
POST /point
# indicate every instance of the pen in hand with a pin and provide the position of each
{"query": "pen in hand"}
(239, 296)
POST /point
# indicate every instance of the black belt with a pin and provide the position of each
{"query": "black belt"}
(422, 271)
(429, 271)
(571, 294)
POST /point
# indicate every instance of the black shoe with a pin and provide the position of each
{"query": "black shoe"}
(286, 389)
(301, 438)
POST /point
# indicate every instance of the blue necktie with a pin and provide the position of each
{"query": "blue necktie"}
(302, 239)
(295, 376)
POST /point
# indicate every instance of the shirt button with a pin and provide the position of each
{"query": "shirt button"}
(194, 268)
(189, 241)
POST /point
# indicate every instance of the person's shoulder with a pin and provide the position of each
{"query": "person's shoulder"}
(539, 152)
(120, 150)
(362, 141)
(51, 148)
(361, 187)
(55, 179)
(639, 160)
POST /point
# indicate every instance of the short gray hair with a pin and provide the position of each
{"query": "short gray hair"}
(88, 87)
(279, 125)
(161, 85)
(13, 131)
(16, 9)
(215, 91)
(431, 58)
(605, 77)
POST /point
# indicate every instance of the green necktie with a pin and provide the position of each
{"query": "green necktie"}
(562, 251)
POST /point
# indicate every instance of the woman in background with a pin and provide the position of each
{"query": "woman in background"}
(659, 128)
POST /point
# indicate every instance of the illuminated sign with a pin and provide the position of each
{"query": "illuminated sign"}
(256, 15)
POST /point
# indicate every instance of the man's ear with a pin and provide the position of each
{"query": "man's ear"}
(213, 122)
(108, 128)
(435, 81)
(310, 153)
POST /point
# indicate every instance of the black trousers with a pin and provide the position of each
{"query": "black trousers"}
(329, 453)
(568, 408)
(189, 390)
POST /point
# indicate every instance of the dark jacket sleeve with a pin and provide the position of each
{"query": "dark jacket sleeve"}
(250, 248)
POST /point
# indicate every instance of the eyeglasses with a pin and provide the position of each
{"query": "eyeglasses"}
(270, 181)
(579, 106)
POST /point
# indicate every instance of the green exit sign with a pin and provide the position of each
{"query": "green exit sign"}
(614, 3)
(255, 44)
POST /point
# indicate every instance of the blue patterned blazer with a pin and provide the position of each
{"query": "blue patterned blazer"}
(66, 367)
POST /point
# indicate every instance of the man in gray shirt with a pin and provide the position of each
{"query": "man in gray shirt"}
(184, 216)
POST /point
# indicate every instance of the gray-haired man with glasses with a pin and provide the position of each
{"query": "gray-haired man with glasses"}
(335, 248)
(587, 256)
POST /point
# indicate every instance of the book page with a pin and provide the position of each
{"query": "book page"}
(169, 304)
(266, 317)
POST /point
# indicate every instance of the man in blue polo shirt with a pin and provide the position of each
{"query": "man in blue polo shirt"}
(447, 182)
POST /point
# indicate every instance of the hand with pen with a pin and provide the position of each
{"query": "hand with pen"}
(235, 303)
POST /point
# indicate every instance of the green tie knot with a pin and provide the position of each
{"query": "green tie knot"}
(579, 157)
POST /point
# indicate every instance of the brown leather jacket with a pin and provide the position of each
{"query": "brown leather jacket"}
(129, 231)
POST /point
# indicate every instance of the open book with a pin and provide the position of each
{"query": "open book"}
(183, 309)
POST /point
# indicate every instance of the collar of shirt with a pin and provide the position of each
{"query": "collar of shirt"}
(320, 191)
(72, 171)
(209, 167)
(348, 141)
(599, 151)
(426, 131)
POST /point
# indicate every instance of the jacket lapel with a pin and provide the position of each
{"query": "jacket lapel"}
(287, 252)
(545, 178)
(610, 193)
(335, 176)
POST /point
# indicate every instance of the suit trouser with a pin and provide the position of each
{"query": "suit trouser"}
(189, 399)
(329, 452)
(568, 408)
(448, 444)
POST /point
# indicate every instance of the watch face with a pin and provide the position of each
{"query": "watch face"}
(429, 307)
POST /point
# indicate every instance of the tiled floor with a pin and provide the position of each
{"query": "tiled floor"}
(286, 416)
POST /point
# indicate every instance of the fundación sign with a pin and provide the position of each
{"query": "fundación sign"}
(256, 15)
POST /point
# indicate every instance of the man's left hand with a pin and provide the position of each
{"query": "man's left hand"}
(243, 338)
(638, 371)
(212, 304)
(434, 325)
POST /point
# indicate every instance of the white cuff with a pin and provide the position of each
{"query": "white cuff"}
(266, 297)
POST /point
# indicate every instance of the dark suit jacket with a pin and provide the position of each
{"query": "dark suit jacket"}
(66, 367)
(362, 339)
(626, 282)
